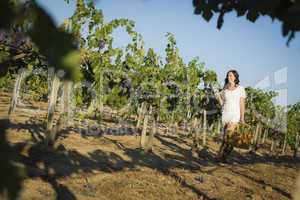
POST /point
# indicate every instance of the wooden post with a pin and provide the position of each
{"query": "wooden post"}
(145, 126)
(149, 145)
(16, 91)
(175, 128)
(219, 127)
(272, 146)
(211, 130)
(141, 112)
(204, 129)
(265, 136)
(256, 134)
(284, 143)
(296, 145)
(253, 144)
(51, 108)
(195, 129)
(66, 102)
(258, 140)
(173, 124)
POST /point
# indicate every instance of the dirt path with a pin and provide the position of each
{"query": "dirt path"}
(113, 167)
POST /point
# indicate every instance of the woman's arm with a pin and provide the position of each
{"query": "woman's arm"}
(242, 109)
(219, 97)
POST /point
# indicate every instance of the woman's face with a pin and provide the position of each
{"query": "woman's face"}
(231, 77)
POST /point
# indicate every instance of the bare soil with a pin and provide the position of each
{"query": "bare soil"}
(113, 167)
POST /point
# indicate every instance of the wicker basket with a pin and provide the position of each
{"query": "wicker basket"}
(239, 135)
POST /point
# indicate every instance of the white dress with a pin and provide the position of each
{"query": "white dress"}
(231, 106)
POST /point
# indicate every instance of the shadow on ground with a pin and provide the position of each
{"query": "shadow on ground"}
(51, 163)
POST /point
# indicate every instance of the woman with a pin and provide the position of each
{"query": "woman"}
(232, 98)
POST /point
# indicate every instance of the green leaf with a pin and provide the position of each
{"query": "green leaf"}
(207, 15)
(252, 15)
(6, 14)
(54, 43)
(220, 20)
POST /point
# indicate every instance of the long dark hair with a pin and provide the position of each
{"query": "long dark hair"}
(236, 75)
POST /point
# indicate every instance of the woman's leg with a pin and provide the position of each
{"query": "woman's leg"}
(229, 147)
(225, 148)
(221, 150)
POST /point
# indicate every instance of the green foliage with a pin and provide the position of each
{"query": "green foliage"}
(34, 39)
(150, 79)
(262, 110)
(82, 95)
(35, 87)
(259, 105)
(174, 69)
(173, 75)
(44, 33)
(6, 9)
(114, 99)
(57, 48)
(6, 82)
(119, 77)
(102, 64)
(286, 11)
(210, 77)
(293, 126)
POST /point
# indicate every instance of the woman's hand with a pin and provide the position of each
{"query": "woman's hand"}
(242, 120)
(219, 97)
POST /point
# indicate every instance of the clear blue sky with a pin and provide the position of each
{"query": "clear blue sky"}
(256, 50)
